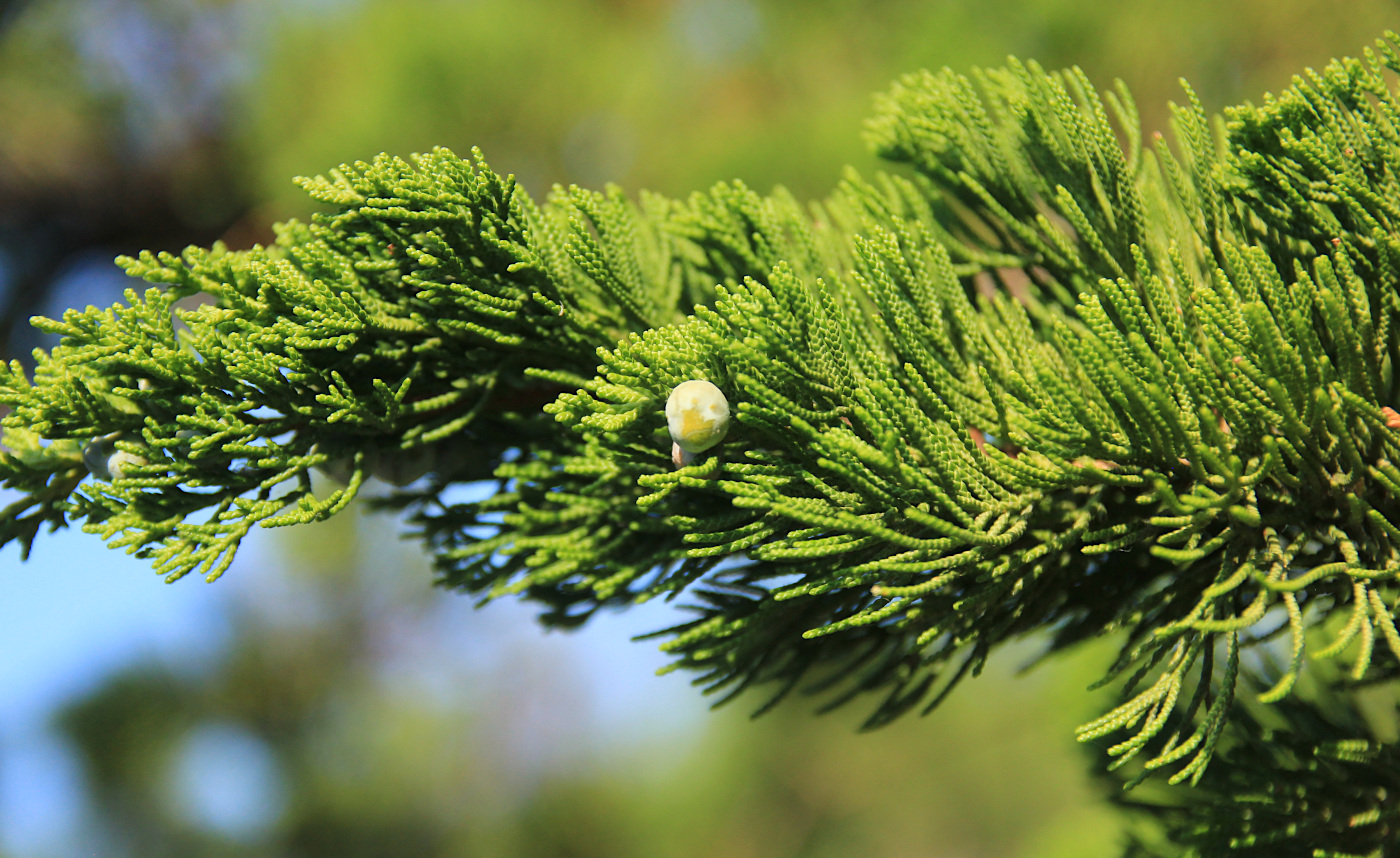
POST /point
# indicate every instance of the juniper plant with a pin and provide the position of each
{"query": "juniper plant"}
(1044, 380)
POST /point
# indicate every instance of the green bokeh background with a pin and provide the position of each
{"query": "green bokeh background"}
(668, 95)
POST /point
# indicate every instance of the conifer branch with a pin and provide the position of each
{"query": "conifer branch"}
(1306, 776)
(1050, 382)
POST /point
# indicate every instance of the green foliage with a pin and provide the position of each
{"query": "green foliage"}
(1049, 381)
(1301, 778)
(422, 306)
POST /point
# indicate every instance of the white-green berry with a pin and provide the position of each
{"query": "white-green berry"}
(698, 416)
(106, 462)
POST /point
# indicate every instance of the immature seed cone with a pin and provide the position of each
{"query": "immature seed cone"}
(698, 416)
(106, 462)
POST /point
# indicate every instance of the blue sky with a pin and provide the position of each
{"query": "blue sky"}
(72, 615)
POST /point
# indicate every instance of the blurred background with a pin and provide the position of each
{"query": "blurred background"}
(323, 699)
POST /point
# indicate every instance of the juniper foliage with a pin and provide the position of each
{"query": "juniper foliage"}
(1295, 779)
(1048, 379)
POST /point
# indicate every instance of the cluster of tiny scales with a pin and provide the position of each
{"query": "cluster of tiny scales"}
(1048, 380)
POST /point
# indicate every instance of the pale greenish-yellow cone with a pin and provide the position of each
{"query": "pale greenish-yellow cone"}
(697, 415)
